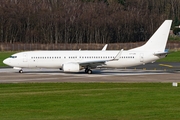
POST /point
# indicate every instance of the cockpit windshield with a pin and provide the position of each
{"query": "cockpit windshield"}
(13, 56)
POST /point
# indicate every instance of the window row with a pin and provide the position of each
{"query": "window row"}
(82, 57)
(91, 57)
(45, 57)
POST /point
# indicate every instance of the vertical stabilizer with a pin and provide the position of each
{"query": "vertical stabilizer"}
(158, 40)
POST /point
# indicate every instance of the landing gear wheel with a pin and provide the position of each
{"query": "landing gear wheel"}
(20, 71)
(89, 71)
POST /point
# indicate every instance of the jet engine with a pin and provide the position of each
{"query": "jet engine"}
(71, 67)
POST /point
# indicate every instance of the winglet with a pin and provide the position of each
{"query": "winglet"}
(118, 55)
(105, 47)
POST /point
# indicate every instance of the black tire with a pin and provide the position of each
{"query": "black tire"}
(20, 71)
(89, 71)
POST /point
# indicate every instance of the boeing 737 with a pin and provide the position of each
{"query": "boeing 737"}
(76, 60)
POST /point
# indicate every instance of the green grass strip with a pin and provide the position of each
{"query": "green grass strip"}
(87, 101)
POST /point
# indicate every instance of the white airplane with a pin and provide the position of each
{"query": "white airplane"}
(76, 60)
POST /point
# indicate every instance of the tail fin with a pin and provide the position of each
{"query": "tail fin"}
(159, 39)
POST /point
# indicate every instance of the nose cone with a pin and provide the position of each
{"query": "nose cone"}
(6, 61)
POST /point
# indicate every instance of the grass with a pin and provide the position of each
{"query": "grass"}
(79, 101)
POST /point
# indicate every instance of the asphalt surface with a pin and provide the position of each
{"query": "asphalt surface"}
(158, 72)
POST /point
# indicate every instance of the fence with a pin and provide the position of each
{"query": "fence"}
(114, 46)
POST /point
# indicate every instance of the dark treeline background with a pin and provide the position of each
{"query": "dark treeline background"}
(83, 21)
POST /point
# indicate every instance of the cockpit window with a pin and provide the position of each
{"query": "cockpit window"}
(13, 56)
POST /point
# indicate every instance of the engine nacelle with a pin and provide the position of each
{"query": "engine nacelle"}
(71, 67)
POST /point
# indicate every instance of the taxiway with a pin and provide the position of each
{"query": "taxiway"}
(9, 75)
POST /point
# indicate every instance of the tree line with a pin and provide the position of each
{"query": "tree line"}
(83, 21)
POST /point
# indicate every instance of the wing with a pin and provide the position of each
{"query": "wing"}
(96, 63)
(92, 64)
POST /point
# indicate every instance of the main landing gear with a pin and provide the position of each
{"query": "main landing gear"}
(21, 71)
(89, 71)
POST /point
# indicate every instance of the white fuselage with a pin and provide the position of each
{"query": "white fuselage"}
(56, 59)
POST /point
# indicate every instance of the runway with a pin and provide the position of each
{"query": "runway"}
(9, 75)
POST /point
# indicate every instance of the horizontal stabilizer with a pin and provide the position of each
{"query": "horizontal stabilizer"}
(160, 53)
